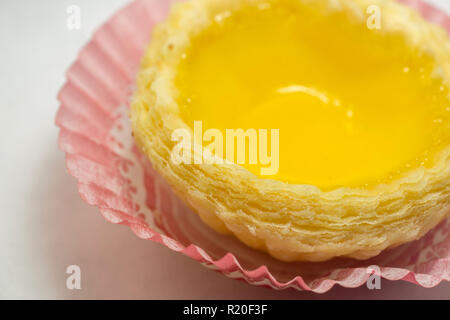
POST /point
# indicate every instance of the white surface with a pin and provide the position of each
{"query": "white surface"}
(45, 226)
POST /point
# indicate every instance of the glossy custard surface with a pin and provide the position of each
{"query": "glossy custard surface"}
(354, 106)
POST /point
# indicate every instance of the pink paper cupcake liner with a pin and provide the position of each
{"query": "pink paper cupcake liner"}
(113, 175)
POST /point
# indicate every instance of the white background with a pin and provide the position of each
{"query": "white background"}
(45, 226)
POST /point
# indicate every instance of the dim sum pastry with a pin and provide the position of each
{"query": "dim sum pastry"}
(307, 129)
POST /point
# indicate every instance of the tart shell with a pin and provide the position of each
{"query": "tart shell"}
(290, 222)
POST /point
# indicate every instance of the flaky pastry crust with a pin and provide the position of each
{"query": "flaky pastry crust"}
(290, 222)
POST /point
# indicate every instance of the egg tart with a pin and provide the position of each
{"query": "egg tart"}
(350, 97)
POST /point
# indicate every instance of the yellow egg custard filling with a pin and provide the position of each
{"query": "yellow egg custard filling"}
(357, 91)
(352, 107)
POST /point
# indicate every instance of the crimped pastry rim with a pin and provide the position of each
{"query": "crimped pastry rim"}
(291, 222)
